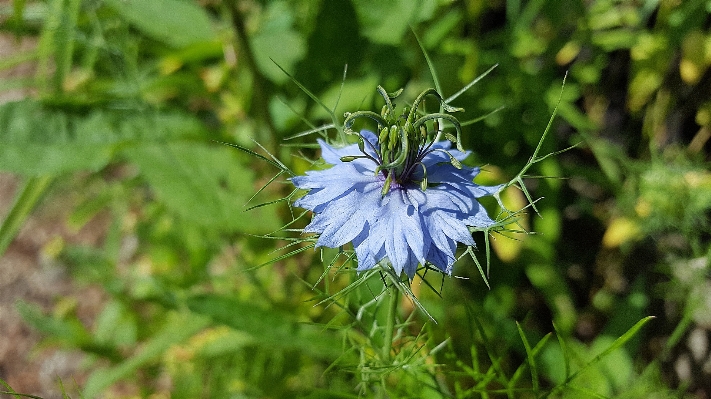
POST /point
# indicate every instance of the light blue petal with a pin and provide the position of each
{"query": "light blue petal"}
(441, 240)
(370, 140)
(333, 155)
(400, 227)
(452, 227)
(347, 218)
(443, 173)
(411, 266)
(440, 260)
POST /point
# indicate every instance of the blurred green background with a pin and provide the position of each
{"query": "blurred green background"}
(129, 264)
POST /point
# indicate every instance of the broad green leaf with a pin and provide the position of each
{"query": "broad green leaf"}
(179, 328)
(271, 328)
(617, 366)
(36, 140)
(355, 94)
(203, 183)
(276, 41)
(69, 331)
(177, 23)
(224, 341)
(116, 325)
(385, 22)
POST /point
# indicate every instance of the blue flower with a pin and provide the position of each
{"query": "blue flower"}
(402, 198)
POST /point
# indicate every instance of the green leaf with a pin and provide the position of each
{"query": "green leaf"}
(531, 357)
(203, 183)
(69, 331)
(116, 325)
(354, 93)
(37, 140)
(385, 22)
(270, 328)
(177, 23)
(25, 200)
(179, 328)
(56, 44)
(276, 40)
(619, 342)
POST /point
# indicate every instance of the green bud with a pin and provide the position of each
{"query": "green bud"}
(349, 158)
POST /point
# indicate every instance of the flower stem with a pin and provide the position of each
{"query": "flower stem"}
(390, 322)
(261, 87)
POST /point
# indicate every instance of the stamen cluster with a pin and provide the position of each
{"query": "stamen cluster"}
(404, 138)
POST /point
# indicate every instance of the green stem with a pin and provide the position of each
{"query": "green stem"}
(261, 87)
(390, 326)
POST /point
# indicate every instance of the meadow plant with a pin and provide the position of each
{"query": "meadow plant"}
(380, 214)
(396, 201)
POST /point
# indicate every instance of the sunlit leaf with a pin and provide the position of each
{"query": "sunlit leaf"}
(180, 327)
(37, 140)
(269, 327)
(203, 183)
(276, 40)
(175, 22)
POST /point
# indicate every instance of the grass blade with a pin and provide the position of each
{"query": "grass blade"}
(615, 345)
(28, 196)
(430, 65)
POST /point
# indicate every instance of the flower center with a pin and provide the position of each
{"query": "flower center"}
(406, 138)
